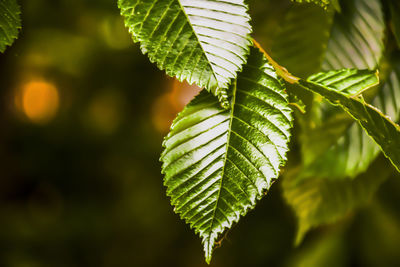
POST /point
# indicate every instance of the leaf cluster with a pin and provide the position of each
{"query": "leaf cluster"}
(227, 147)
(230, 143)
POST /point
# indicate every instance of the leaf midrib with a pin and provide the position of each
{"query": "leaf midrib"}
(198, 40)
(225, 159)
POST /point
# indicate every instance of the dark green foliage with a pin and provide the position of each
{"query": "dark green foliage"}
(354, 150)
(300, 43)
(356, 42)
(380, 127)
(322, 3)
(354, 39)
(319, 201)
(333, 147)
(395, 19)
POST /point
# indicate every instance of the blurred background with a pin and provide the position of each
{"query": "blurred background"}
(82, 118)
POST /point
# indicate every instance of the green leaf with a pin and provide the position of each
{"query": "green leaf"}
(356, 41)
(352, 38)
(354, 151)
(322, 201)
(202, 41)
(395, 11)
(357, 36)
(217, 162)
(10, 22)
(300, 43)
(323, 3)
(349, 82)
(379, 127)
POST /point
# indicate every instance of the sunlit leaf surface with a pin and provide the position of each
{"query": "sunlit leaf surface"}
(218, 163)
(202, 41)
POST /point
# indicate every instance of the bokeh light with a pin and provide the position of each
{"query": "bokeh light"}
(39, 101)
(169, 104)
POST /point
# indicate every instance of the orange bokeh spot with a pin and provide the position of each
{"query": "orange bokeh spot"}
(39, 101)
(168, 105)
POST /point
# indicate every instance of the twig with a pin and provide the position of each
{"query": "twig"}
(281, 71)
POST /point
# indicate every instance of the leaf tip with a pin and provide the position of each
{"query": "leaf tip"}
(209, 244)
(223, 98)
(208, 249)
(301, 233)
(377, 75)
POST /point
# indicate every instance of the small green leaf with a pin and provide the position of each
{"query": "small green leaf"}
(352, 152)
(217, 162)
(350, 82)
(10, 22)
(379, 127)
(202, 41)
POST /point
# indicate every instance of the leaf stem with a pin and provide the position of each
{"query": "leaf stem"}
(281, 71)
